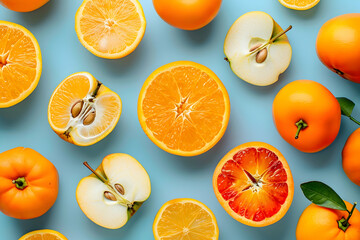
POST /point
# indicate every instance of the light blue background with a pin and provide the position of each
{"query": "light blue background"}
(172, 176)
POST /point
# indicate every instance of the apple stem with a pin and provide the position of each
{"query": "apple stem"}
(263, 46)
(301, 125)
(280, 34)
(94, 172)
(93, 95)
(119, 198)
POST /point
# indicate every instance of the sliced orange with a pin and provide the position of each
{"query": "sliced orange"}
(299, 4)
(82, 110)
(45, 234)
(110, 28)
(20, 63)
(185, 218)
(253, 183)
(184, 108)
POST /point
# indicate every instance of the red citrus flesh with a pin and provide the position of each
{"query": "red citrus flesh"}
(254, 183)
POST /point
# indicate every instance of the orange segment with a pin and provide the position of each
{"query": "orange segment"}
(45, 234)
(76, 87)
(185, 219)
(20, 63)
(253, 183)
(93, 100)
(184, 108)
(299, 4)
(110, 28)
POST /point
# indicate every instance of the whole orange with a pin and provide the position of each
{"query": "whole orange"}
(23, 5)
(307, 115)
(338, 45)
(351, 157)
(322, 224)
(187, 15)
(29, 183)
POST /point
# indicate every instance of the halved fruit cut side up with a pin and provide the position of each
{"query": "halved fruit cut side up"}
(82, 110)
(184, 108)
(20, 63)
(254, 184)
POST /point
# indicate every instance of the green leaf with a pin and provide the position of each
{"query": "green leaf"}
(347, 106)
(322, 195)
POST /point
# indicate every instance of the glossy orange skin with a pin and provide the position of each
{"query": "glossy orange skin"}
(351, 157)
(187, 14)
(23, 5)
(338, 45)
(314, 104)
(42, 179)
(320, 223)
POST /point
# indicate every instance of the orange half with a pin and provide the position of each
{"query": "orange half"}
(110, 28)
(20, 63)
(253, 183)
(184, 108)
(45, 234)
(99, 109)
(185, 218)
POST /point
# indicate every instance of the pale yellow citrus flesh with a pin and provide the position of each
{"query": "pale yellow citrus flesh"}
(184, 108)
(110, 28)
(181, 219)
(82, 86)
(20, 63)
(299, 4)
(43, 235)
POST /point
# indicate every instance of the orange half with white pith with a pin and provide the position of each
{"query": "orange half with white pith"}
(299, 4)
(254, 184)
(82, 110)
(184, 108)
(20, 63)
(110, 28)
(45, 234)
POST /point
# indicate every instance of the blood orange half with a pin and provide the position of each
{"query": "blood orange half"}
(253, 183)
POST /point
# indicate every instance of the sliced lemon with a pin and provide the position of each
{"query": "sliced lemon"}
(110, 29)
(185, 218)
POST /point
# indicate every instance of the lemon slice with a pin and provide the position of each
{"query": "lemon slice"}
(110, 29)
(185, 218)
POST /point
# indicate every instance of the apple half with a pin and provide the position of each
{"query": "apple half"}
(112, 194)
(257, 48)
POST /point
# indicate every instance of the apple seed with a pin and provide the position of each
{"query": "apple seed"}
(89, 119)
(261, 55)
(256, 46)
(76, 108)
(108, 195)
(120, 188)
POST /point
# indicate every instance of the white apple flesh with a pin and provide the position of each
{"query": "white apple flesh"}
(114, 192)
(257, 48)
